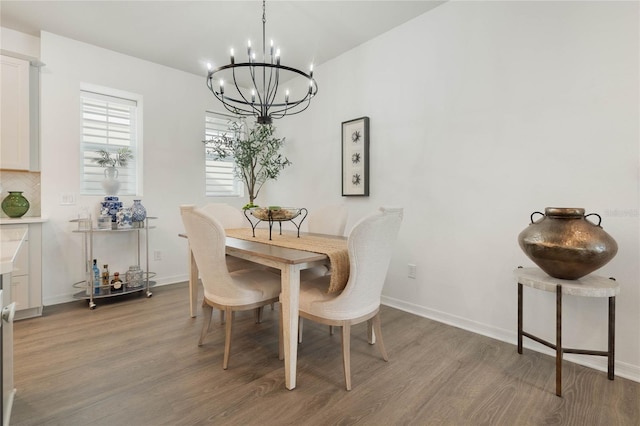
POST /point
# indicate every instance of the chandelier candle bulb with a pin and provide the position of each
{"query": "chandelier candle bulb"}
(271, 51)
(286, 97)
(221, 87)
(253, 95)
(311, 71)
(232, 59)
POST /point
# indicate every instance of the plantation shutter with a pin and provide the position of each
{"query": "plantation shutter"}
(108, 123)
(220, 179)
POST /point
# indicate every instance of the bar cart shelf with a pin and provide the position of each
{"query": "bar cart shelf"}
(88, 287)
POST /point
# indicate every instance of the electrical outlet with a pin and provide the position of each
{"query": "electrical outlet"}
(157, 255)
(412, 270)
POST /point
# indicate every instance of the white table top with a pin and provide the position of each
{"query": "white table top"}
(10, 242)
(588, 286)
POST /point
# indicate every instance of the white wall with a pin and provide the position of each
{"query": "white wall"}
(481, 113)
(174, 104)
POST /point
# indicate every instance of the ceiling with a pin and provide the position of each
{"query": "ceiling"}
(186, 35)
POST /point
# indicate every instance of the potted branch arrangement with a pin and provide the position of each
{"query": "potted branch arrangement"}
(110, 161)
(255, 153)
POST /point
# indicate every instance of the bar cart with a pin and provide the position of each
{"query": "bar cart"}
(137, 281)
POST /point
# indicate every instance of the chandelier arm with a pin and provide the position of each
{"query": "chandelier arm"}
(252, 74)
(293, 105)
(231, 108)
(291, 110)
(274, 91)
(246, 102)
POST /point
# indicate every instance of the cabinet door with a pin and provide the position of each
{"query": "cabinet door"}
(21, 262)
(14, 127)
(20, 291)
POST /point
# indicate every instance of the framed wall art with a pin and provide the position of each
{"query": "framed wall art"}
(355, 157)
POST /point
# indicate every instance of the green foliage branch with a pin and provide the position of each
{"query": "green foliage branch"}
(255, 152)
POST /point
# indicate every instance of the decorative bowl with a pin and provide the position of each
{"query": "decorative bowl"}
(275, 213)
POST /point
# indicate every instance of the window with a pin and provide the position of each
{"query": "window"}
(111, 120)
(220, 179)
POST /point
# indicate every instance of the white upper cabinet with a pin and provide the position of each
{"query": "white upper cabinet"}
(14, 123)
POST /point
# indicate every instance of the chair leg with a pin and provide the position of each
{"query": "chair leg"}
(280, 337)
(207, 312)
(371, 336)
(300, 325)
(346, 353)
(227, 338)
(378, 333)
(257, 314)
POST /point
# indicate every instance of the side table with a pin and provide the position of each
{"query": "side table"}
(588, 286)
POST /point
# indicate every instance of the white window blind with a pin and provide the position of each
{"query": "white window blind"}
(109, 123)
(220, 179)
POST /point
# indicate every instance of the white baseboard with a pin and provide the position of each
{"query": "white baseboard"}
(622, 369)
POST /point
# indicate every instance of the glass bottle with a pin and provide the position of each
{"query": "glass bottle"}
(105, 277)
(96, 278)
(116, 283)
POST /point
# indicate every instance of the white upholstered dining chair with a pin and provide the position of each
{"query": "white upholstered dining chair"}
(230, 218)
(240, 290)
(370, 246)
(328, 220)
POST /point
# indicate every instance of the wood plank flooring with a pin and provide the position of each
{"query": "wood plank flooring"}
(135, 361)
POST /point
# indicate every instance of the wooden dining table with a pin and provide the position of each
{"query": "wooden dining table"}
(290, 262)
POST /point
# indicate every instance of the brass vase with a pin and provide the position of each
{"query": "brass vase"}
(564, 244)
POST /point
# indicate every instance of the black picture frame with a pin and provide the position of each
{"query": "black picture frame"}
(355, 157)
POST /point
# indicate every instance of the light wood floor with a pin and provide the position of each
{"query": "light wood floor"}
(135, 361)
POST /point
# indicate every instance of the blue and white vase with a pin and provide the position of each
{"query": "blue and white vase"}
(123, 218)
(110, 206)
(138, 212)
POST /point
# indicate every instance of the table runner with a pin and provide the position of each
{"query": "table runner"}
(334, 248)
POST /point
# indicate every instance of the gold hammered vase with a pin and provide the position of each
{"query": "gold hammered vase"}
(564, 244)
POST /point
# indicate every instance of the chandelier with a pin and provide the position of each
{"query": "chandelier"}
(262, 98)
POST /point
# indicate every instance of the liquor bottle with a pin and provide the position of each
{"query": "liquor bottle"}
(116, 283)
(96, 278)
(105, 277)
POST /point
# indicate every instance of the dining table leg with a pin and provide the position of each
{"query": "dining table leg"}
(193, 285)
(290, 276)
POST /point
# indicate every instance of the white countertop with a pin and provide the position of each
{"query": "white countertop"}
(10, 241)
(21, 220)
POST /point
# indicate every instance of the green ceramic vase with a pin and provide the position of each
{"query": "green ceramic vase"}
(14, 204)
